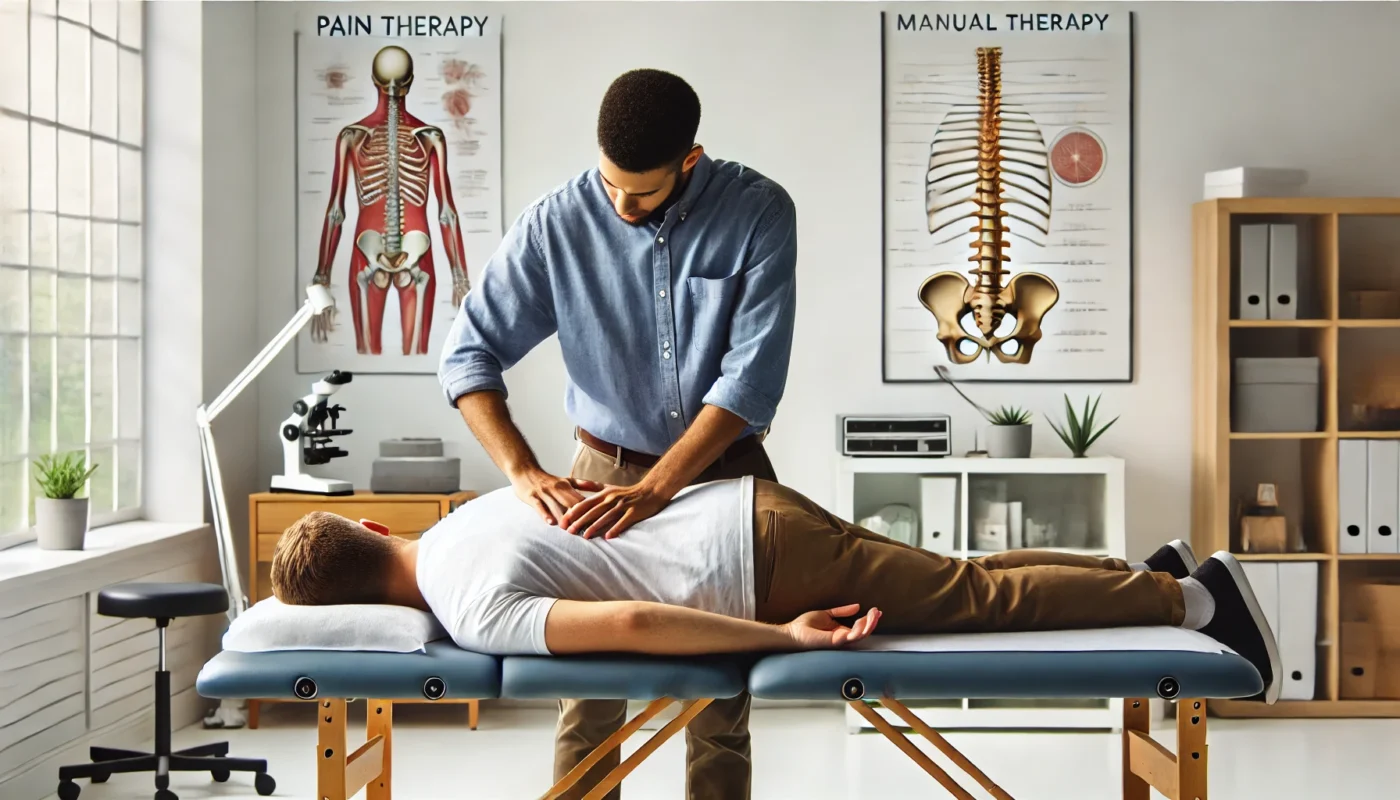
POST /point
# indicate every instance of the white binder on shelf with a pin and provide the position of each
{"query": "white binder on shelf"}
(938, 514)
(1283, 272)
(1264, 580)
(1252, 288)
(1297, 631)
(1351, 496)
(1382, 495)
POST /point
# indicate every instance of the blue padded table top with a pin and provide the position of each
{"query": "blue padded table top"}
(461, 674)
(622, 677)
(1118, 663)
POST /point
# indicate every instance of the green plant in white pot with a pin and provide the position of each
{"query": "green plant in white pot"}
(1010, 433)
(60, 516)
(1078, 433)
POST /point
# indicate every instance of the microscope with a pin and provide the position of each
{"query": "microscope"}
(306, 438)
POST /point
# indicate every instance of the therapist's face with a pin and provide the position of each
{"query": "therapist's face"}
(635, 195)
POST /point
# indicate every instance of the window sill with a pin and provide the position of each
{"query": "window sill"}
(25, 564)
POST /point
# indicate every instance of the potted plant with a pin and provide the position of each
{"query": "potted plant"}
(1078, 432)
(1010, 433)
(60, 516)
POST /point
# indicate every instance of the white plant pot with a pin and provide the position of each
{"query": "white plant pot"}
(1008, 441)
(60, 524)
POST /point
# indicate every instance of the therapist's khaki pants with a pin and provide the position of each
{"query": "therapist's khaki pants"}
(717, 740)
(806, 559)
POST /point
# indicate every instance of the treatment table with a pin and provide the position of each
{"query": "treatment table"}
(1132, 664)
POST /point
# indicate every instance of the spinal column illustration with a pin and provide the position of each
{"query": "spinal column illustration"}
(988, 165)
(394, 158)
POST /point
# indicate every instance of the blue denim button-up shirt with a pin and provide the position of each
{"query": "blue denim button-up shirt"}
(654, 320)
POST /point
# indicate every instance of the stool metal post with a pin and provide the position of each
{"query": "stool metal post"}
(162, 711)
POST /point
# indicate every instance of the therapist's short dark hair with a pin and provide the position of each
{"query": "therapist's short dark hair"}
(325, 559)
(648, 120)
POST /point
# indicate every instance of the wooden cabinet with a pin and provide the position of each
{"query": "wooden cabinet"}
(270, 513)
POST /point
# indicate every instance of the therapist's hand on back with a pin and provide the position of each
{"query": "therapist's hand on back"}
(614, 509)
(820, 630)
(550, 495)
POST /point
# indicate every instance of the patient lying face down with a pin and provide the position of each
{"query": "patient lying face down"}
(742, 565)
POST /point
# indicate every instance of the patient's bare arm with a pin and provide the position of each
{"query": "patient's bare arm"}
(655, 628)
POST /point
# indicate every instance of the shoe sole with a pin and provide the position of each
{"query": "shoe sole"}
(1183, 551)
(1271, 691)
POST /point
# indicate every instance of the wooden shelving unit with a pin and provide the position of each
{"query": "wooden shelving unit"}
(1219, 339)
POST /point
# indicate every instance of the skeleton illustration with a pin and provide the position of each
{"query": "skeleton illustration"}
(989, 164)
(394, 157)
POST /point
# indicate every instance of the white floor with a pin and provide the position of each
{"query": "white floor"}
(799, 754)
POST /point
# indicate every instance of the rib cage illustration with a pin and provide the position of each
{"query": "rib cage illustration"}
(989, 164)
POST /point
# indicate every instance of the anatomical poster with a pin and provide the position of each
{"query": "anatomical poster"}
(1008, 193)
(398, 113)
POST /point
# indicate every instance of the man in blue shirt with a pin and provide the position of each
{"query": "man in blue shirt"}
(670, 280)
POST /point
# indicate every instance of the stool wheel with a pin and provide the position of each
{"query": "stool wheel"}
(68, 790)
(219, 775)
(264, 783)
(100, 777)
(166, 794)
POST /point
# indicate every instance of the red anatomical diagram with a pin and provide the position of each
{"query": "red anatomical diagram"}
(394, 159)
(1077, 157)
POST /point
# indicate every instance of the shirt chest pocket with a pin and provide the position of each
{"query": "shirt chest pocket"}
(710, 303)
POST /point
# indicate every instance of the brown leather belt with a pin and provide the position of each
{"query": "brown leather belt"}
(623, 455)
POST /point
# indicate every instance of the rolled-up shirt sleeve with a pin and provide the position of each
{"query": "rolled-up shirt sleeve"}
(503, 317)
(754, 370)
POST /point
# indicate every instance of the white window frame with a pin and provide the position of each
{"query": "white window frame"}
(78, 14)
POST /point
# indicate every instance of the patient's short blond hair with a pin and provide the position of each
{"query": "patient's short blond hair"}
(326, 559)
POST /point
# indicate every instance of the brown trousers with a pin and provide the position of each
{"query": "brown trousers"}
(806, 559)
(717, 740)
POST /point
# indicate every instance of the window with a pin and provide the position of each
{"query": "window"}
(70, 250)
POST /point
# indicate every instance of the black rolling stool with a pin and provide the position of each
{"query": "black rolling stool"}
(163, 602)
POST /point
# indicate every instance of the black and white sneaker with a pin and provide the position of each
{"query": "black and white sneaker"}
(1175, 558)
(1238, 621)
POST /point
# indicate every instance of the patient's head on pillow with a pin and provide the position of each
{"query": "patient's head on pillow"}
(326, 559)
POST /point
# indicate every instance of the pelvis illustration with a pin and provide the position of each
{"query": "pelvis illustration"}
(989, 165)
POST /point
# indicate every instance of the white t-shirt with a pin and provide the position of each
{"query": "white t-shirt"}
(492, 569)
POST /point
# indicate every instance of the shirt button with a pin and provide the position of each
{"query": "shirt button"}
(661, 239)
(666, 355)
(675, 414)
(665, 345)
(662, 292)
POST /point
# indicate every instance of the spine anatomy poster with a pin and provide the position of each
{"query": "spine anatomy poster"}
(1008, 190)
(398, 177)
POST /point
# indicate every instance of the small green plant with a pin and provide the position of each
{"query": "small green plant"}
(62, 477)
(1078, 433)
(1009, 415)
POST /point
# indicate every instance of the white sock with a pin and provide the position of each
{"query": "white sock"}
(1139, 566)
(1200, 606)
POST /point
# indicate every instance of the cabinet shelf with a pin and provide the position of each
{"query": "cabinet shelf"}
(1345, 245)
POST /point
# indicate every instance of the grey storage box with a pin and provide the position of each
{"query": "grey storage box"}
(414, 466)
(1276, 395)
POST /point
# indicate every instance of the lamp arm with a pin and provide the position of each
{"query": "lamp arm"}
(317, 300)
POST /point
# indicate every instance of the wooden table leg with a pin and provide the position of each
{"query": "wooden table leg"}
(380, 722)
(253, 714)
(1192, 776)
(330, 750)
(473, 711)
(1137, 716)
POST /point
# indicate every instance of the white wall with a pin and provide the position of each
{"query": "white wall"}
(230, 251)
(1216, 85)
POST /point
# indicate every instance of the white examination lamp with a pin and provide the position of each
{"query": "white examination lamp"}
(318, 299)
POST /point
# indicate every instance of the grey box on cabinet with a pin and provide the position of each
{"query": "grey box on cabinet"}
(1275, 395)
(416, 475)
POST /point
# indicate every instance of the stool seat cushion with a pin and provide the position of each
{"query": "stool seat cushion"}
(162, 600)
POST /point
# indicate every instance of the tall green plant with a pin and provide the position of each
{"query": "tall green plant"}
(62, 477)
(1078, 433)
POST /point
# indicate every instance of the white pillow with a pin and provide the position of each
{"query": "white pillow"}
(272, 625)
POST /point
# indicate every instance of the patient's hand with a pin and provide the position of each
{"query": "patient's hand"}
(819, 630)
